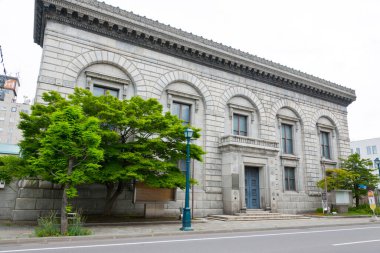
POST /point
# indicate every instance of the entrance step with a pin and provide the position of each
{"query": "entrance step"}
(256, 216)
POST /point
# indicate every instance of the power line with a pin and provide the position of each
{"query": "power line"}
(2, 61)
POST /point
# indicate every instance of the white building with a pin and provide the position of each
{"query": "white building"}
(10, 111)
(266, 128)
(368, 149)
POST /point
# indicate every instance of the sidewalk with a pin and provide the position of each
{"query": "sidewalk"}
(12, 234)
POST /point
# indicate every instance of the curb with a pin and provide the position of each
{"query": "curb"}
(46, 240)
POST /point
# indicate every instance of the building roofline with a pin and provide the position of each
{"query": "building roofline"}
(160, 33)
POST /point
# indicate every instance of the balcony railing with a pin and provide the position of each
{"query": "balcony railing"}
(247, 141)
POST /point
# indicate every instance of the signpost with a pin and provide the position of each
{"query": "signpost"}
(324, 202)
(372, 203)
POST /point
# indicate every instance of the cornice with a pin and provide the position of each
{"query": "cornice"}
(106, 20)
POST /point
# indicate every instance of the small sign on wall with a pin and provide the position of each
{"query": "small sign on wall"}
(2, 184)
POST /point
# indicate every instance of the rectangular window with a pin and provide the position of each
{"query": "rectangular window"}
(182, 111)
(290, 179)
(368, 150)
(325, 144)
(14, 109)
(374, 150)
(287, 138)
(240, 125)
(182, 166)
(358, 151)
(101, 91)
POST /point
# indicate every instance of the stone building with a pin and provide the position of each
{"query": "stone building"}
(266, 128)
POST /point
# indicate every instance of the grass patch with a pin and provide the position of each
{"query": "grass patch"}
(352, 211)
(50, 226)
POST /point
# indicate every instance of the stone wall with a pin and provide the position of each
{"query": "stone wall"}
(69, 52)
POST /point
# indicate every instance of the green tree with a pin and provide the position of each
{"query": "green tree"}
(355, 172)
(140, 143)
(61, 145)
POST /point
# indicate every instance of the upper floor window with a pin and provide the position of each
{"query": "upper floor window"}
(240, 125)
(358, 151)
(325, 145)
(14, 109)
(287, 138)
(374, 150)
(290, 179)
(182, 111)
(100, 91)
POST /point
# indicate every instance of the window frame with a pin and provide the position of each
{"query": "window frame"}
(180, 103)
(369, 150)
(287, 184)
(239, 116)
(326, 145)
(374, 149)
(284, 139)
(333, 146)
(120, 85)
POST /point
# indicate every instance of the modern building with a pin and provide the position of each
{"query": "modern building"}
(10, 110)
(368, 149)
(267, 129)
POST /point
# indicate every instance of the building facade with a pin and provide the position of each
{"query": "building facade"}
(368, 149)
(266, 128)
(10, 110)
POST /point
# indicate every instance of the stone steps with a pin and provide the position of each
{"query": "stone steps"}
(254, 218)
(255, 215)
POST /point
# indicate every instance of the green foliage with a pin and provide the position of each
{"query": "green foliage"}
(76, 226)
(140, 142)
(49, 226)
(12, 167)
(319, 210)
(355, 172)
(363, 210)
(337, 179)
(89, 139)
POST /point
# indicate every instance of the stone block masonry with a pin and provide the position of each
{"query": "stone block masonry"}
(240, 101)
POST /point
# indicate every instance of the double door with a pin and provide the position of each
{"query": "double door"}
(252, 188)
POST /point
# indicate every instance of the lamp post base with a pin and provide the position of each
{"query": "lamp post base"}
(186, 220)
(186, 229)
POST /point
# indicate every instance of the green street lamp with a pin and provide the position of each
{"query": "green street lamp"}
(377, 164)
(186, 217)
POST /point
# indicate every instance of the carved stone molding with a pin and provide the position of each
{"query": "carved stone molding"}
(97, 17)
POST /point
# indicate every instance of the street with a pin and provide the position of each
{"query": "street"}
(363, 238)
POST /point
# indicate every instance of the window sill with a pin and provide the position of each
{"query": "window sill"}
(328, 161)
(289, 157)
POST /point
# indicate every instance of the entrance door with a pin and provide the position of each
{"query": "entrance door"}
(252, 189)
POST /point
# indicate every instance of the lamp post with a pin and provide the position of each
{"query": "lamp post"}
(377, 164)
(186, 218)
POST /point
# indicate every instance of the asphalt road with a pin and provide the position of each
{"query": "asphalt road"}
(363, 238)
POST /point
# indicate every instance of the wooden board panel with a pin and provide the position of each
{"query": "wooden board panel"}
(144, 193)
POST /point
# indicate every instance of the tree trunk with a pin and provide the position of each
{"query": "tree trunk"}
(357, 196)
(112, 195)
(64, 222)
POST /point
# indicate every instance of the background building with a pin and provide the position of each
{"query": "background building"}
(10, 110)
(266, 128)
(368, 149)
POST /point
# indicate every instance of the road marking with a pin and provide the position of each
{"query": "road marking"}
(358, 242)
(186, 240)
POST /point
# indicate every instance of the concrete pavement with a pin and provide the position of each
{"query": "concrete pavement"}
(13, 234)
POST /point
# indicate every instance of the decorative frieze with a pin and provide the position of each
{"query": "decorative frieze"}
(149, 37)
